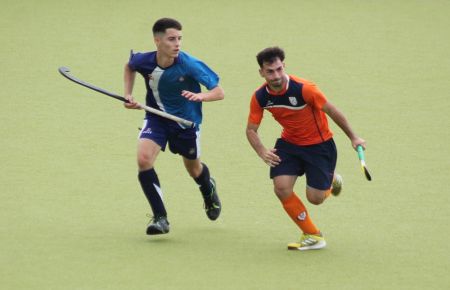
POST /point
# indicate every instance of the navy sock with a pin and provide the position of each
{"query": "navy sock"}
(150, 185)
(203, 180)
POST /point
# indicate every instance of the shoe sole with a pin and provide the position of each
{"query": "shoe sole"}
(214, 217)
(156, 232)
(318, 246)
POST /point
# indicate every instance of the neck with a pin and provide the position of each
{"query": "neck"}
(163, 60)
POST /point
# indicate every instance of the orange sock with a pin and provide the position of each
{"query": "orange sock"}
(298, 213)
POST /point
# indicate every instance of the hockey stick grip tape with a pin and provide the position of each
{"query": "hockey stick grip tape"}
(360, 151)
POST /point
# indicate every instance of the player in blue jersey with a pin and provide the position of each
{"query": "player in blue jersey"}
(172, 78)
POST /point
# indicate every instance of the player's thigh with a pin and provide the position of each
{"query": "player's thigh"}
(320, 165)
(155, 129)
(284, 185)
(290, 164)
(318, 182)
(316, 196)
(147, 152)
(185, 142)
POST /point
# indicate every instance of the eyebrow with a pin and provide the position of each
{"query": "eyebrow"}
(277, 68)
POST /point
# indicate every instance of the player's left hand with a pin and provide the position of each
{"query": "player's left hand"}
(270, 157)
(193, 96)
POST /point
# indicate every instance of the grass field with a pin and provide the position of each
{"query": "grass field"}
(72, 215)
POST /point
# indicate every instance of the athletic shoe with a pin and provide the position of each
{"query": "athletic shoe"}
(212, 202)
(308, 242)
(158, 226)
(336, 187)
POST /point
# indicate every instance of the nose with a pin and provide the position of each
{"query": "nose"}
(277, 75)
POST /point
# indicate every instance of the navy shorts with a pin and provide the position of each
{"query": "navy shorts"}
(183, 141)
(317, 162)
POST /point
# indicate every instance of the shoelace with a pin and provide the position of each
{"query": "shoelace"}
(209, 201)
(308, 241)
(152, 218)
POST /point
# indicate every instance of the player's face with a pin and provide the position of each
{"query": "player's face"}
(274, 74)
(169, 43)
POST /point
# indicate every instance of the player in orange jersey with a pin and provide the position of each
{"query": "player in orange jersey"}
(306, 146)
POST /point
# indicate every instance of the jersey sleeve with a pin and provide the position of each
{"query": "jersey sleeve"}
(139, 61)
(313, 96)
(202, 73)
(256, 112)
(134, 61)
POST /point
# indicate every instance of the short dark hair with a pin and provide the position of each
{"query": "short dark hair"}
(269, 55)
(162, 24)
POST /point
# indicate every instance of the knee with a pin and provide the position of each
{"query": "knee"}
(194, 172)
(282, 192)
(144, 161)
(315, 200)
(315, 197)
(194, 167)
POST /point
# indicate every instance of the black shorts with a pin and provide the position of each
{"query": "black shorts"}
(183, 141)
(317, 162)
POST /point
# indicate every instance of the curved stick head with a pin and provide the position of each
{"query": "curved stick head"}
(367, 174)
(64, 69)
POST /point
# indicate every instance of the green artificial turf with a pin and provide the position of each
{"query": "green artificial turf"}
(72, 214)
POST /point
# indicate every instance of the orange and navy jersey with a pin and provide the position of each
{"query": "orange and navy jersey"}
(298, 109)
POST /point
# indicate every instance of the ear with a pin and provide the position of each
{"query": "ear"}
(261, 72)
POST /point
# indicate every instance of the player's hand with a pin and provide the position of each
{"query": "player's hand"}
(270, 158)
(132, 103)
(192, 96)
(358, 141)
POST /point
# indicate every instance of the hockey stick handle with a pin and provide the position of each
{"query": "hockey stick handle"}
(165, 115)
(362, 160)
(360, 151)
(65, 72)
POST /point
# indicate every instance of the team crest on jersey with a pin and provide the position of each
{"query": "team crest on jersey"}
(293, 101)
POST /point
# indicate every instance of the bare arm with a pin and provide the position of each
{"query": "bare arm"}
(128, 81)
(215, 94)
(267, 155)
(338, 117)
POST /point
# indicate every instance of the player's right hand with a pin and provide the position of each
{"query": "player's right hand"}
(132, 104)
(270, 158)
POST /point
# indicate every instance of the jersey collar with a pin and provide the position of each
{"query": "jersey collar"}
(175, 61)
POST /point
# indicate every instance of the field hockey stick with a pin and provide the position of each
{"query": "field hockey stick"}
(65, 72)
(362, 160)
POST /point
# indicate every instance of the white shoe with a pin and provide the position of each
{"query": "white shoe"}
(336, 186)
(308, 242)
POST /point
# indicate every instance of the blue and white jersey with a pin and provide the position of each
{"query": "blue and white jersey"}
(164, 85)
